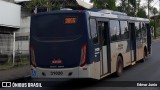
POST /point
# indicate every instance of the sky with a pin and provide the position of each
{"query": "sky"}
(155, 3)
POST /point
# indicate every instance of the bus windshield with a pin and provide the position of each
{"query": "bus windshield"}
(57, 25)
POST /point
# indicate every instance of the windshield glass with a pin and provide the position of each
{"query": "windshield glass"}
(57, 25)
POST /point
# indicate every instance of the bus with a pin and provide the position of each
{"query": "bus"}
(86, 43)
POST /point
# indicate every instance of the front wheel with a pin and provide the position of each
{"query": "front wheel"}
(119, 67)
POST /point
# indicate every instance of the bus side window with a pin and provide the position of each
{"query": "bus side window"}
(124, 30)
(115, 31)
(144, 30)
(93, 31)
(138, 30)
(102, 33)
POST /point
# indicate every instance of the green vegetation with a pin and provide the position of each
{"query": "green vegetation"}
(158, 32)
(9, 65)
(107, 4)
(6, 66)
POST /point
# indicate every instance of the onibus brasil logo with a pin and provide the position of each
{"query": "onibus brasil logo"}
(13, 84)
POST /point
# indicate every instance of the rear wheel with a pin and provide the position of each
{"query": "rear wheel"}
(119, 67)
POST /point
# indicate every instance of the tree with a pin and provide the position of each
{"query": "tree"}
(131, 7)
(124, 5)
(104, 4)
(141, 12)
(153, 10)
(135, 5)
(138, 5)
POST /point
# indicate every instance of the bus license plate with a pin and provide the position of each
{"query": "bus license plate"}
(57, 73)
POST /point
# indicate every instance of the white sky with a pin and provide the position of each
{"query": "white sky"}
(155, 3)
(87, 1)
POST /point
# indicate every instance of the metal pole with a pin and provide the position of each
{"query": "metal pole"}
(128, 7)
(159, 7)
(148, 10)
(35, 9)
(154, 26)
(13, 48)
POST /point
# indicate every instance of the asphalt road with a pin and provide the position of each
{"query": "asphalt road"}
(147, 71)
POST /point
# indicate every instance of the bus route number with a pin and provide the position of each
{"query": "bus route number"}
(57, 73)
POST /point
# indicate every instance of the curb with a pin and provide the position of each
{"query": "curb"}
(156, 39)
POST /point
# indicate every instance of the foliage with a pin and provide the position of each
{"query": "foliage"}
(158, 32)
(131, 7)
(41, 4)
(141, 13)
(104, 4)
(153, 10)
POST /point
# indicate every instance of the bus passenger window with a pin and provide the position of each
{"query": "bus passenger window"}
(114, 30)
(124, 30)
(138, 30)
(102, 33)
(144, 29)
(93, 31)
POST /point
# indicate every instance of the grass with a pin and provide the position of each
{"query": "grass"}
(158, 33)
(9, 65)
(6, 66)
(23, 61)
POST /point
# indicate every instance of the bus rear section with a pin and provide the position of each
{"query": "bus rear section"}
(58, 45)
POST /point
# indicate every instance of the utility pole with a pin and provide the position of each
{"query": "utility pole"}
(135, 8)
(155, 25)
(148, 10)
(128, 7)
(159, 7)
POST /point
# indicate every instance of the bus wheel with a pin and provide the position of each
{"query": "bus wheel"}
(119, 67)
(144, 55)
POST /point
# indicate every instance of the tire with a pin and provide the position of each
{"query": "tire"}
(119, 66)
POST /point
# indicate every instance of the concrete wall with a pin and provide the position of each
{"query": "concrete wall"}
(22, 36)
(10, 14)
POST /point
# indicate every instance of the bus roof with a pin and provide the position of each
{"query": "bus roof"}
(115, 16)
(98, 14)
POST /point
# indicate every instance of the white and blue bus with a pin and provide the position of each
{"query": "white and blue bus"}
(86, 44)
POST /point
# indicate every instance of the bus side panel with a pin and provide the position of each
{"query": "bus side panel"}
(123, 48)
(120, 48)
(113, 57)
(93, 54)
(93, 58)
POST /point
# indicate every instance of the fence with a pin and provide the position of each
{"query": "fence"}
(6, 47)
(6, 51)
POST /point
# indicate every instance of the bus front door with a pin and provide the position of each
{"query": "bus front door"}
(103, 34)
